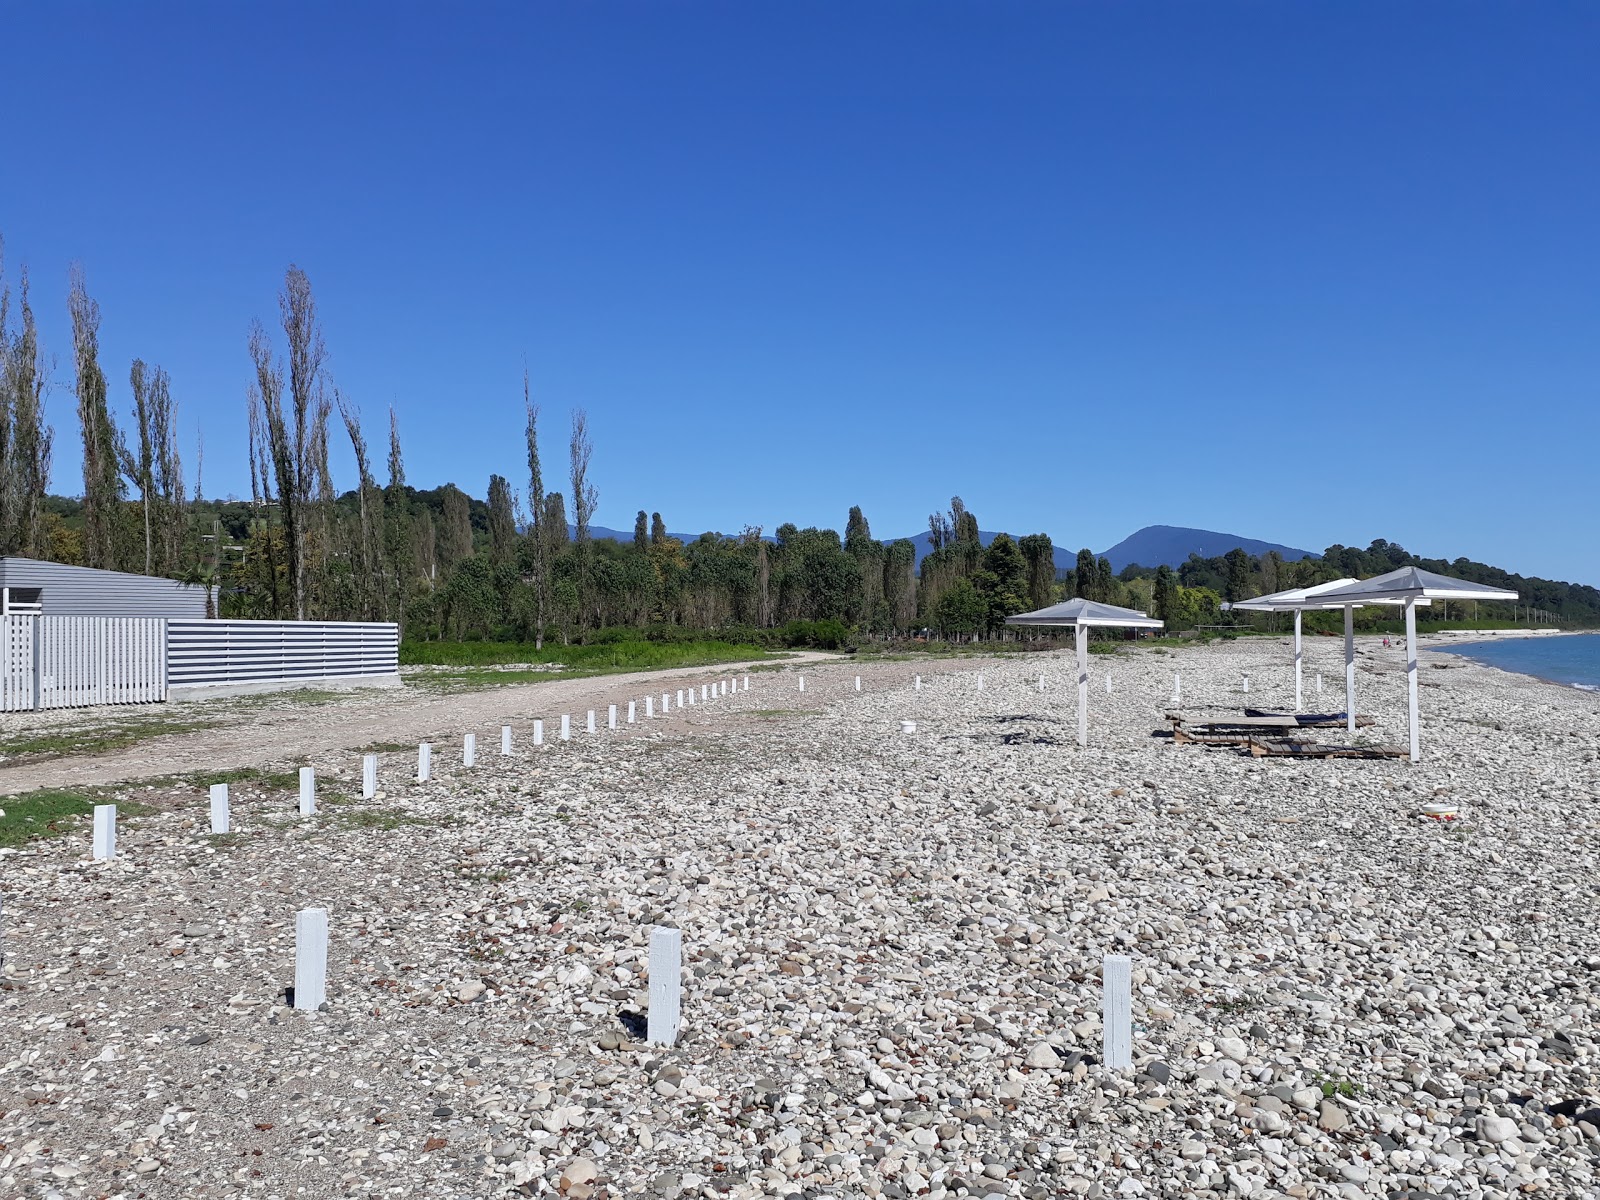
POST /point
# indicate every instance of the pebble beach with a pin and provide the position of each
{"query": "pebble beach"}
(892, 952)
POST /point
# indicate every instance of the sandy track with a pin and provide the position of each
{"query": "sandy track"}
(258, 730)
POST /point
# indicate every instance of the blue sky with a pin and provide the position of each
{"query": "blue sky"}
(1309, 273)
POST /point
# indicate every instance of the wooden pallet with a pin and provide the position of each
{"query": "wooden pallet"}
(1308, 750)
(1224, 737)
(1262, 721)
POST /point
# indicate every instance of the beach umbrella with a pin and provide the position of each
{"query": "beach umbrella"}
(1408, 586)
(1082, 615)
(1297, 601)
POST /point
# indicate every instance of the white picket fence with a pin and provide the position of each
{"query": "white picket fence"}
(76, 662)
(16, 663)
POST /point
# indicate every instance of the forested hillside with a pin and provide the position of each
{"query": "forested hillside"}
(523, 563)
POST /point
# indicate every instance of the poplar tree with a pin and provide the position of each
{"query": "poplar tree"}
(367, 561)
(502, 522)
(454, 536)
(152, 466)
(641, 532)
(296, 436)
(102, 475)
(1083, 580)
(1040, 554)
(25, 439)
(539, 532)
(397, 524)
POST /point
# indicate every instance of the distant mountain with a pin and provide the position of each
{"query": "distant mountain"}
(1170, 545)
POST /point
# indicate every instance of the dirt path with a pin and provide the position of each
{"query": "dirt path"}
(259, 731)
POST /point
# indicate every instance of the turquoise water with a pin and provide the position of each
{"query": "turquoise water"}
(1570, 660)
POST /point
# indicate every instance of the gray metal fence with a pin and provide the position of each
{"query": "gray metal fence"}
(205, 653)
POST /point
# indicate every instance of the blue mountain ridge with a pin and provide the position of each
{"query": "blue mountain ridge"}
(1152, 546)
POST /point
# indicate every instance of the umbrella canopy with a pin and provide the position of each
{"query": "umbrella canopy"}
(1293, 599)
(1411, 586)
(1085, 612)
(1082, 615)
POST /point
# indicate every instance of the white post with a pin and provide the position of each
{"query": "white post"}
(980, 681)
(369, 776)
(1108, 685)
(705, 692)
(219, 808)
(650, 707)
(666, 702)
(666, 968)
(1080, 637)
(917, 683)
(1350, 667)
(802, 683)
(858, 683)
(538, 733)
(680, 697)
(633, 714)
(747, 683)
(611, 716)
(589, 722)
(1411, 678)
(308, 791)
(1247, 684)
(505, 740)
(1041, 683)
(469, 750)
(1319, 683)
(105, 832)
(310, 958)
(1177, 687)
(1116, 1011)
(566, 727)
(424, 762)
(691, 699)
(1299, 703)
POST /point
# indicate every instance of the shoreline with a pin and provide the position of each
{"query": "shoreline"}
(1464, 650)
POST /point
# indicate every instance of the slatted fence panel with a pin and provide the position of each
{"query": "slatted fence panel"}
(16, 664)
(235, 652)
(84, 661)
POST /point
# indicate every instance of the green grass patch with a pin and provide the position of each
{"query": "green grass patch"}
(41, 814)
(50, 812)
(57, 743)
(595, 658)
(475, 665)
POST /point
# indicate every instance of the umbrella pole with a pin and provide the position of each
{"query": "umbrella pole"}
(1081, 637)
(1411, 677)
(1350, 667)
(1299, 702)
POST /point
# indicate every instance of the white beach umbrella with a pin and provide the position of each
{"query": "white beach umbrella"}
(1083, 615)
(1409, 586)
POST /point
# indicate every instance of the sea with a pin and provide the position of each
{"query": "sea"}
(1573, 660)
